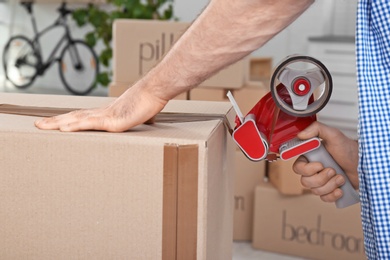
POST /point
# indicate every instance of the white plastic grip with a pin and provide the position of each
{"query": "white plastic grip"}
(235, 107)
(350, 195)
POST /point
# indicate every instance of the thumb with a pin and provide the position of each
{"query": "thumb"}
(310, 132)
(316, 129)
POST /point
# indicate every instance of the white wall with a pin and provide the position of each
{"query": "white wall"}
(19, 22)
(323, 17)
(188, 10)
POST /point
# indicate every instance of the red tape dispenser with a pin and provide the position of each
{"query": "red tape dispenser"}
(300, 87)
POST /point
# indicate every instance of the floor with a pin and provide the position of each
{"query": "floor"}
(244, 251)
(241, 250)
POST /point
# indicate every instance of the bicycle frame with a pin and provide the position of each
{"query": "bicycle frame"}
(66, 38)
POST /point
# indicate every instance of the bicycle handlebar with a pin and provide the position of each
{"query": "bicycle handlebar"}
(63, 10)
(27, 5)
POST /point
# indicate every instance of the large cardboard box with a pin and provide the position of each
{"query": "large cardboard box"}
(140, 44)
(280, 174)
(248, 175)
(161, 191)
(305, 226)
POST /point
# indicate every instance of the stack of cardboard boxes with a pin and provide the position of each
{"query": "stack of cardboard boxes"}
(271, 208)
(140, 44)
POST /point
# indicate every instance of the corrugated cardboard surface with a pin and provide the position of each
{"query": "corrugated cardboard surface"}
(305, 226)
(208, 94)
(248, 175)
(260, 68)
(97, 195)
(140, 44)
(248, 96)
(285, 180)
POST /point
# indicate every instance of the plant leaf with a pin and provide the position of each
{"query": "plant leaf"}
(101, 19)
(104, 78)
(90, 39)
(105, 56)
(80, 17)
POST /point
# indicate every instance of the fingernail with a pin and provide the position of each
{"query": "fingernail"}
(330, 173)
(338, 193)
(304, 132)
(339, 180)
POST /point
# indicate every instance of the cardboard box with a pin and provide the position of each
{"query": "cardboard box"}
(209, 94)
(248, 175)
(260, 68)
(248, 96)
(140, 44)
(281, 175)
(116, 89)
(305, 226)
(161, 191)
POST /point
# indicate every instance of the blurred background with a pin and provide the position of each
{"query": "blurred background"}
(325, 17)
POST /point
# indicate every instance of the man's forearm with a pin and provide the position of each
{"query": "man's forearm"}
(225, 32)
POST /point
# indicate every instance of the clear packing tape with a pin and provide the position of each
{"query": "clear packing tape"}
(162, 117)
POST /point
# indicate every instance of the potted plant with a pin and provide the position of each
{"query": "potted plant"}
(101, 18)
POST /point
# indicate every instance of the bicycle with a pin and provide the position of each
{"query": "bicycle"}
(23, 61)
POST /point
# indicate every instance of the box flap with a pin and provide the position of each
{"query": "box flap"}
(187, 130)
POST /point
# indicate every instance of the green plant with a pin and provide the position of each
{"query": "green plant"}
(101, 19)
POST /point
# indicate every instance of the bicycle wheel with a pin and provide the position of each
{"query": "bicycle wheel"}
(20, 61)
(79, 67)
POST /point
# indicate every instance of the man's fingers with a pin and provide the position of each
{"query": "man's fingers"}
(302, 167)
(50, 123)
(91, 123)
(333, 196)
(329, 186)
(56, 122)
(319, 179)
(322, 182)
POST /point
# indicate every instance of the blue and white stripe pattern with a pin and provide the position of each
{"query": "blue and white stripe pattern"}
(373, 71)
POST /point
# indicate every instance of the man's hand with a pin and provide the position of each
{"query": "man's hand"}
(325, 182)
(134, 107)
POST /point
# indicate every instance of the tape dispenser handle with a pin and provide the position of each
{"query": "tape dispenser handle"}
(316, 152)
